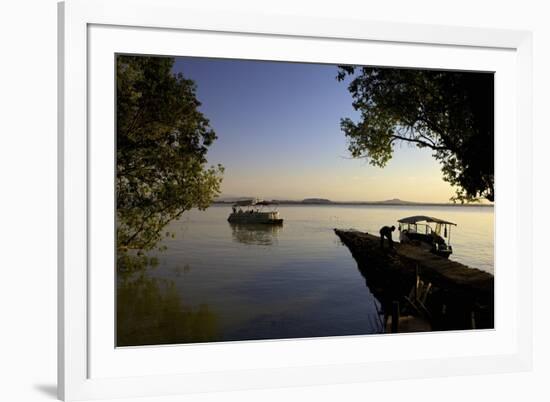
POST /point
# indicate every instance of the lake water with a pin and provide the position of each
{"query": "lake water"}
(220, 282)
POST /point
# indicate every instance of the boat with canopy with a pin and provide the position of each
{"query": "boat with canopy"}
(255, 212)
(430, 233)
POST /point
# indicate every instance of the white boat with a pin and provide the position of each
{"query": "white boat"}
(416, 230)
(255, 212)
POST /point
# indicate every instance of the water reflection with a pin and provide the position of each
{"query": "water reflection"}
(265, 282)
(258, 234)
(179, 270)
(150, 312)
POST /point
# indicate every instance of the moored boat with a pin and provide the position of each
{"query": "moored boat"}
(416, 230)
(255, 212)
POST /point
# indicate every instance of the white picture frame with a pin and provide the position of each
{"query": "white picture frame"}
(90, 32)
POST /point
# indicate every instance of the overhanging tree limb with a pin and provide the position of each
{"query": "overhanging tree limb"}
(449, 112)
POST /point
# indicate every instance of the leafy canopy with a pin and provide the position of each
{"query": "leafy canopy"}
(162, 141)
(450, 113)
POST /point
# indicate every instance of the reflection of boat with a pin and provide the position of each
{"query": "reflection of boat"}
(256, 212)
(255, 233)
(416, 230)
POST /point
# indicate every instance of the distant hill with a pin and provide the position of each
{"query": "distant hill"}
(232, 198)
(316, 201)
(395, 201)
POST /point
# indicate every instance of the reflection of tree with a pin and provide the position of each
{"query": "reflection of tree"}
(260, 234)
(162, 141)
(150, 312)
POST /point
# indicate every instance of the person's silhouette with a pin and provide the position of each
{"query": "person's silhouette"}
(386, 231)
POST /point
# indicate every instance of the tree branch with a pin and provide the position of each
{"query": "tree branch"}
(417, 141)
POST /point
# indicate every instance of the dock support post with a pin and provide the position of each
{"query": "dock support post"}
(417, 282)
(395, 317)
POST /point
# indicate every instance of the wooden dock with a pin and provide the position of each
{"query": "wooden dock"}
(416, 283)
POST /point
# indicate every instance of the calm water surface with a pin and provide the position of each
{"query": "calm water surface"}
(220, 282)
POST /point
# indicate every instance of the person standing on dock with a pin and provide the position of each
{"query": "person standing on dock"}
(386, 232)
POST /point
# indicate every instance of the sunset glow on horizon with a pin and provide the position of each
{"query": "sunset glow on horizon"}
(279, 136)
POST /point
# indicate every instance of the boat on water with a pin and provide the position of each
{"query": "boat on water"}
(255, 212)
(432, 234)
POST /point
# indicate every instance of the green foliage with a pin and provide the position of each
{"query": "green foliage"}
(162, 141)
(450, 113)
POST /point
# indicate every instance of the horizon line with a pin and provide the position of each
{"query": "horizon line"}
(320, 200)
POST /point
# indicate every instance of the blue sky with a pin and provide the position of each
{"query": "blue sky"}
(278, 127)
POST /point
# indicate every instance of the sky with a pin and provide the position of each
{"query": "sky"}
(279, 136)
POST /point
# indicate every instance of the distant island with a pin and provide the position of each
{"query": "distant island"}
(325, 201)
(316, 201)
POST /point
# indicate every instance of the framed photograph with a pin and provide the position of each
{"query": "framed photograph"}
(251, 201)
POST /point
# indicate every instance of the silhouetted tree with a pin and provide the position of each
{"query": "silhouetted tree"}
(450, 113)
(162, 141)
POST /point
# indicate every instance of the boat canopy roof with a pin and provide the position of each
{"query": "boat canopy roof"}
(424, 218)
